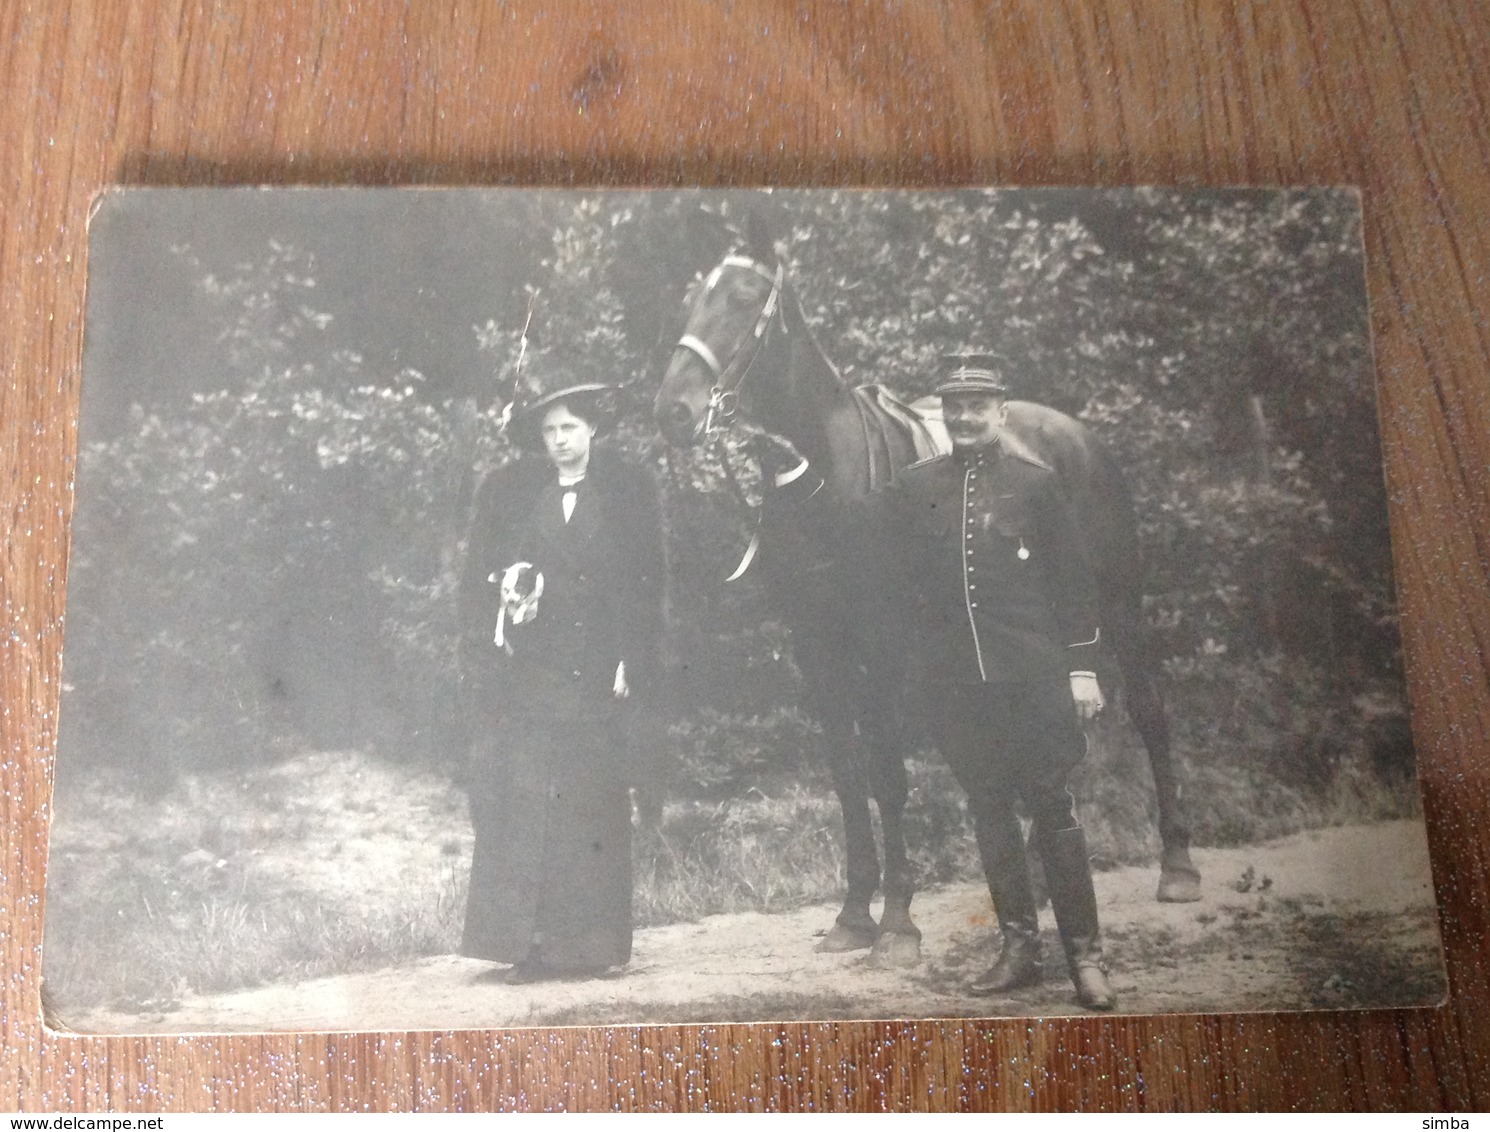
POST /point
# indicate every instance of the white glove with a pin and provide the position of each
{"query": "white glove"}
(1088, 695)
(621, 688)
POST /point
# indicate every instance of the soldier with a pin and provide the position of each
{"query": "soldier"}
(1005, 611)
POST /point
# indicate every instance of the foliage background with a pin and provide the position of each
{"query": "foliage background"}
(290, 396)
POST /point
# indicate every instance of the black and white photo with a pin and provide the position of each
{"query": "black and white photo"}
(512, 607)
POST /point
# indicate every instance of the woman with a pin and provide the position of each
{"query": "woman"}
(561, 602)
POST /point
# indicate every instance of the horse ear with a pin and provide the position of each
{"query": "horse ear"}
(765, 232)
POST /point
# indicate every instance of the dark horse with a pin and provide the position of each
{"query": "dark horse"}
(746, 349)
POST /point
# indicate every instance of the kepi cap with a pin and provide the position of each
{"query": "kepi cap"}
(972, 373)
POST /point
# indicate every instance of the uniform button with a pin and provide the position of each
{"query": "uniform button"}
(576, 673)
(972, 586)
(974, 605)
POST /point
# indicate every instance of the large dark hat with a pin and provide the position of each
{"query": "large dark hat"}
(972, 373)
(547, 383)
(585, 395)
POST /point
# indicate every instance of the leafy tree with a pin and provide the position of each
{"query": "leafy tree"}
(284, 544)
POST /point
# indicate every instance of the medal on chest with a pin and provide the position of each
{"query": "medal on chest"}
(987, 522)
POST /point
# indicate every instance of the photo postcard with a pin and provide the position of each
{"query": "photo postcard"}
(496, 608)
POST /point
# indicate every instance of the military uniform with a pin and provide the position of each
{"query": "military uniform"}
(1004, 585)
(1004, 609)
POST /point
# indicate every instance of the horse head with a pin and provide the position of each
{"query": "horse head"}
(735, 314)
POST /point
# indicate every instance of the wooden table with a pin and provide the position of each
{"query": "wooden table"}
(1388, 96)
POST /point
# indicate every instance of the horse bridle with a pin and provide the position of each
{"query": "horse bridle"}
(729, 377)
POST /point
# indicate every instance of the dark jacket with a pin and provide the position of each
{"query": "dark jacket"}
(992, 561)
(604, 578)
(547, 773)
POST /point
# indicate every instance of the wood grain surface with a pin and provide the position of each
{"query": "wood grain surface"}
(1388, 96)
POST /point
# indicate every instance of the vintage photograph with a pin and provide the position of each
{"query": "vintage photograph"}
(493, 608)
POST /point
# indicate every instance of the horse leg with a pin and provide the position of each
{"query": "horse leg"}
(899, 943)
(1179, 879)
(855, 927)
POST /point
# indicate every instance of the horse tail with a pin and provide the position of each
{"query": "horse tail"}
(1119, 569)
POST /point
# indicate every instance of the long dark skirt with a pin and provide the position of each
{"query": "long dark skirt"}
(551, 872)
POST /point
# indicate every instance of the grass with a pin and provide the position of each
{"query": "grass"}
(761, 853)
(780, 847)
(323, 863)
(333, 862)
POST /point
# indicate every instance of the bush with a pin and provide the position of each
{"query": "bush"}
(1265, 746)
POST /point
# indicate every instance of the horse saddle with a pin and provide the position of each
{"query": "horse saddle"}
(921, 424)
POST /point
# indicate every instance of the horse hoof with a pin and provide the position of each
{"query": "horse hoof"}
(841, 938)
(1179, 886)
(896, 949)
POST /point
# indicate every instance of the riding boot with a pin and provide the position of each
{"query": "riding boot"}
(1001, 846)
(1069, 875)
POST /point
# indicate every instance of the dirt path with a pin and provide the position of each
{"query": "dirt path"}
(1334, 918)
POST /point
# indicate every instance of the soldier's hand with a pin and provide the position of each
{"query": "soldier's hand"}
(1088, 696)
